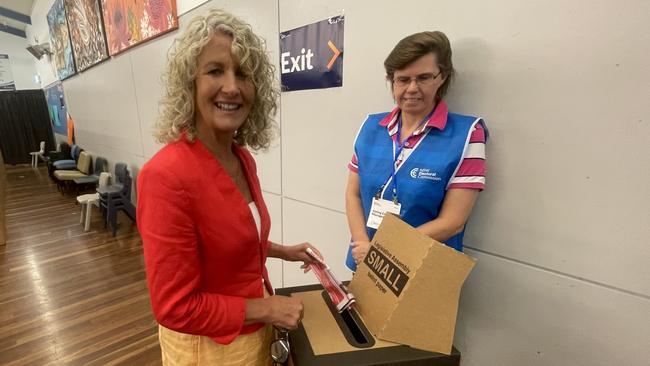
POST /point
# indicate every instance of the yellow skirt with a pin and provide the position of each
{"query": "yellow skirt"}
(180, 349)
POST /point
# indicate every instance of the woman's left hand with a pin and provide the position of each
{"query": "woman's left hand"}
(296, 253)
(359, 250)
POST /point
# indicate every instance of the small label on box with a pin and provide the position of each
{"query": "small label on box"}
(386, 270)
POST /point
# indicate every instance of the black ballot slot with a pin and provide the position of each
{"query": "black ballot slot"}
(364, 350)
(350, 323)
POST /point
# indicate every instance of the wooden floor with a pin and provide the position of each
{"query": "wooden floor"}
(69, 297)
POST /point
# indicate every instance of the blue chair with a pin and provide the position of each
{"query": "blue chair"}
(65, 162)
(68, 163)
(62, 153)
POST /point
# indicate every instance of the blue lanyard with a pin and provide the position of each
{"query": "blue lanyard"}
(398, 152)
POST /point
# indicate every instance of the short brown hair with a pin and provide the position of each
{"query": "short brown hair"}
(417, 45)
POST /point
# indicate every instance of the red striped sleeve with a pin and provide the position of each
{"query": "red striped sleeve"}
(471, 173)
(353, 165)
(478, 134)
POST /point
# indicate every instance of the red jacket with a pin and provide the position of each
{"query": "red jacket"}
(202, 252)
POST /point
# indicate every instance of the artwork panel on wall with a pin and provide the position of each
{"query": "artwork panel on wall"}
(57, 108)
(129, 23)
(60, 41)
(86, 33)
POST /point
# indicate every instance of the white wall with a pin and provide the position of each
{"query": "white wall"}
(39, 32)
(561, 232)
(184, 6)
(22, 62)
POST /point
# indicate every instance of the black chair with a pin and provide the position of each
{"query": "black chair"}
(63, 152)
(116, 197)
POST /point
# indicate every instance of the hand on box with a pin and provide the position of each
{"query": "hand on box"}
(359, 250)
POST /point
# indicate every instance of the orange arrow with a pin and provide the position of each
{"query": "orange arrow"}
(337, 53)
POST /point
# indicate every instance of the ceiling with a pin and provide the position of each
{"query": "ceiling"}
(20, 6)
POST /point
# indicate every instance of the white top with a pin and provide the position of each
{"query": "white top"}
(257, 218)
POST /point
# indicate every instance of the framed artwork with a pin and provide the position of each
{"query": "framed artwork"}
(129, 22)
(60, 41)
(56, 105)
(86, 33)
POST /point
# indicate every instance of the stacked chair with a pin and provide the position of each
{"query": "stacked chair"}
(116, 197)
(71, 167)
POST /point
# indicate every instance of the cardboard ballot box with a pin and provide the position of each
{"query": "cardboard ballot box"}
(408, 285)
(407, 292)
(327, 338)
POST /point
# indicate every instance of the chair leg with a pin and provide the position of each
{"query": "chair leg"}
(103, 208)
(114, 224)
(111, 220)
(81, 214)
(88, 213)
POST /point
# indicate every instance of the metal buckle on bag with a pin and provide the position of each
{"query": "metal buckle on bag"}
(280, 349)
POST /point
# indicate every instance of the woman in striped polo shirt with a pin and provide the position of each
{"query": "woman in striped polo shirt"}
(419, 160)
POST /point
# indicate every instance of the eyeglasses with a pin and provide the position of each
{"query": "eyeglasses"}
(280, 349)
(420, 80)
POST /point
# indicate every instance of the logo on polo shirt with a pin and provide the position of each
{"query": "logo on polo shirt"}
(424, 173)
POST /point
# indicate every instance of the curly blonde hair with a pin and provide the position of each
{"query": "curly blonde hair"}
(177, 104)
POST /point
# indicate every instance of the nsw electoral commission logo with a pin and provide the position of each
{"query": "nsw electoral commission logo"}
(424, 173)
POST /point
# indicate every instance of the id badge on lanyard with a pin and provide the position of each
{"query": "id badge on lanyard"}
(379, 208)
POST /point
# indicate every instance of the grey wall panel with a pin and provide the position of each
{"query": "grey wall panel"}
(102, 102)
(568, 165)
(319, 126)
(184, 6)
(269, 168)
(513, 314)
(323, 228)
(148, 64)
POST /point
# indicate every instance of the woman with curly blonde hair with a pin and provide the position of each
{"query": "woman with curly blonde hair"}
(201, 215)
